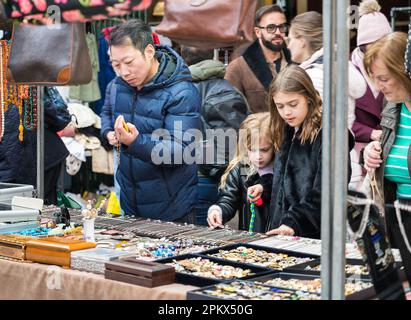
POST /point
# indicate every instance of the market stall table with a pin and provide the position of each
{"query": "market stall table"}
(32, 281)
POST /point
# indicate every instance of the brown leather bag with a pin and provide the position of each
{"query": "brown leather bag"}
(208, 23)
(48, 55)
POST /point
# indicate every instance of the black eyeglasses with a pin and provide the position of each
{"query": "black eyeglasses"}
(272, 28)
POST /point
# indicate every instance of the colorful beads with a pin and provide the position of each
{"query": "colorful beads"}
(36, 232)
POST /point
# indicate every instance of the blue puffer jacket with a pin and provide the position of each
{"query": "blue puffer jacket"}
(150, 189)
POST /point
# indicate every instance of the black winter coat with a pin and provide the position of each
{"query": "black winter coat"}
(296, 192)
(234, 197)
(222, 107)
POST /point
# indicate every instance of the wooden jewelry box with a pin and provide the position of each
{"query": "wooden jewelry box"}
(55, 250)
(13, 247)
(139, 272)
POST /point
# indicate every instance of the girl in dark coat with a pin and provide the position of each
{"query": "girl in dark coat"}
(253, 165)
(295, 108)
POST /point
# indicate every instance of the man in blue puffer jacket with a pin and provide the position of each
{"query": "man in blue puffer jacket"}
(155, 97)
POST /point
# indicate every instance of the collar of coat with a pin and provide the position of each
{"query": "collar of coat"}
(255, 59)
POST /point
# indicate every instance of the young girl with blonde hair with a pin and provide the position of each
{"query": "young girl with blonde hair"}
(252, 165)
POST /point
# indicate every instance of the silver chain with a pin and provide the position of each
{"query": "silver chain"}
(364, 220)
(398, 207)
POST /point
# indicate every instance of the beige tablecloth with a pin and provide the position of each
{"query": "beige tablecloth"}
(22, 280)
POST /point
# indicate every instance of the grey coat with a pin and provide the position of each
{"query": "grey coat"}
(390, 119)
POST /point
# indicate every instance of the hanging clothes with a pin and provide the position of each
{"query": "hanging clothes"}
(106, 73)
(91, 91)
(71, 11)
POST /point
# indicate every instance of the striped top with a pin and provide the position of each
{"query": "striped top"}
(396, 168)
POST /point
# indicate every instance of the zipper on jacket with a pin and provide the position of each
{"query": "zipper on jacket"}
(131, 157)
(165, 181)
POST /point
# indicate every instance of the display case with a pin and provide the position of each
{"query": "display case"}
(9, 190)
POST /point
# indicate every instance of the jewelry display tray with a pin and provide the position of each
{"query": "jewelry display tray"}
(199, 281)
(207, 253)
(301, 269)
(198, 295)
(365, 294)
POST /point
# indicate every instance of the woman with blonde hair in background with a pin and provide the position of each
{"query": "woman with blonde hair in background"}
(389, 159)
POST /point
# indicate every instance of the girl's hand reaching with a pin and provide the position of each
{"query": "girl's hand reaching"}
(282, 230)
(215, 219)
(254, 193)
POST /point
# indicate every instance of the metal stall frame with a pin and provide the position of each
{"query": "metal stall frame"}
(394, 14)
(335, 149)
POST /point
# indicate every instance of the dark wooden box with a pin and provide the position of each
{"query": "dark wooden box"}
(139, 272)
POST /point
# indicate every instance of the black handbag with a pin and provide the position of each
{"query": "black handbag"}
(56, 113)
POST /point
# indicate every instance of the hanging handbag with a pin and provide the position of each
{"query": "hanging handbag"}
(208, 23)
(367, 228)
(53, 55)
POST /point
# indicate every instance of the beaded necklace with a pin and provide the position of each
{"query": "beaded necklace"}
(30, 109)
(21, 96)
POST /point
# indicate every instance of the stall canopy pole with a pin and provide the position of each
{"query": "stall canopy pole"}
(326, 197)
(394, 14)
(40, 143)
(335, 149)
(341, 155)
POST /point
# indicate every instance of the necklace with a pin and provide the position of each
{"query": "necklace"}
(23, 97)
(398, 207)
(118, 147)
(30, 109)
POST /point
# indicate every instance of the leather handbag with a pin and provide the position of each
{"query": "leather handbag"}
(208, 23)
(53, 55)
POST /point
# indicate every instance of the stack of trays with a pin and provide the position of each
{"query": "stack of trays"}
(94, 259)
(139, 272)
